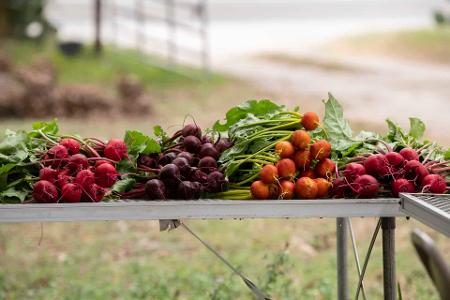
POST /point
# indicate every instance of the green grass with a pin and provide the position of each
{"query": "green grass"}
(427, 45)
(289, 259)
(105, 69)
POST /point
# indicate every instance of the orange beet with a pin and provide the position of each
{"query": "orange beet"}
(274, 191)
(310, 120)
(287, 189)
(286, 168)
(325, 168)
(284, 149)
(302, 160)
(306, 188)
(268, 174)
(260, 190)
(300, 139)
(323, 187)
(308, 173)
(320, 149)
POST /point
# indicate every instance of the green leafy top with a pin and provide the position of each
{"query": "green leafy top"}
(17, 150)
(242, 111)
(346, 145)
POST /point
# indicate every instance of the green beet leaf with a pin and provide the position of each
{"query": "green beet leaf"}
(139, 143)
(254, 107)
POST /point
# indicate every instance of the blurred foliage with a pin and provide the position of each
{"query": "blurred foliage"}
(17, 15)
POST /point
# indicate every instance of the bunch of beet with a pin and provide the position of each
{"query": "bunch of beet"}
(74, 172)
(391, 173)
(304, 171)
(187, 168)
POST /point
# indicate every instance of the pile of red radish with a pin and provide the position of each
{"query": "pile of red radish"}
(186, 169)
(74, 172)
(304, 170)
(390, 173)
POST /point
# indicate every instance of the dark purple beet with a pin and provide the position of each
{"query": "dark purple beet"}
(182, 164)
(206, 139)
(147, 161)
(208, 149)
(188, 190)
(207, 164)
(223, 144)
(198, 175)
(216, 182)
(167, 158)
(155, 189)
(170, 175)
(186, 155)
(191, 129)
(192, 144)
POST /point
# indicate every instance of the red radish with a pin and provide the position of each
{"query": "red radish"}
(340, 188)
(57, 154)
(434, 183)
(376, 165)
(325, 168)
(106, 175)
(85, 178)
(116, 150)
(415, 170)
(48, 174)
(302, 160)
(310, 120)
(284, 149)
(308, 173)
(395, 159)
(306, 188)
(366, 186)
(353, 171)
(286, 168)
(64, 179)
(402, 186)
(77, 162)
(268, 174)
(300, 139)
(45, 192)
(72, 145)
(287, 189)
(260, 190)
(409, 154)
(323, 187)
(58, 151)
(71, 192)
(320, 149)
(99, 162)
(94, 193)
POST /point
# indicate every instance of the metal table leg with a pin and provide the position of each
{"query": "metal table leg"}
(389, 280)
(341, 254)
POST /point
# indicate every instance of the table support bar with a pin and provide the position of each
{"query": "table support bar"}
(389, 279)
(341, 255)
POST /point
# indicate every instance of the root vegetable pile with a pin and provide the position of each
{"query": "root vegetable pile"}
(260, 151)
(74, 170)
(391, 173)
(186, 169)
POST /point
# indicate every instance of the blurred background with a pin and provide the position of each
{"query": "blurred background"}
(104, 66)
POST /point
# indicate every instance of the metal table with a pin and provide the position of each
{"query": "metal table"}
(386, 209)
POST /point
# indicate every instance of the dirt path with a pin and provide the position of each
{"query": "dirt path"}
(372, 90)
